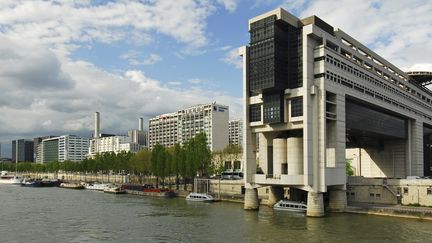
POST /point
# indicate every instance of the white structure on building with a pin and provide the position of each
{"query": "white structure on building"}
(179, 127)
(235, 128)
(313, 95)
(67, 147)
(102, 143)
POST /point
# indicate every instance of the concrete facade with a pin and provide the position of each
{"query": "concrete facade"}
(389, 191)
(179, 127)
(335, 100)
(67, 147)
(235, 128)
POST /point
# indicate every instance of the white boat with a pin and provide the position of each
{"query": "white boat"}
(290, 206)
(114, 189)
(9, 179)
(199, 197)
(95, 186)
(71, 185)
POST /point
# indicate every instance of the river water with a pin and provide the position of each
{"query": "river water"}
(62, 215)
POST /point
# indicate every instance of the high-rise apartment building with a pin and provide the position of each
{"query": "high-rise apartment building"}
(179, 127)
(235, 128)
(25, 150)
(315, 97)
(67, 147)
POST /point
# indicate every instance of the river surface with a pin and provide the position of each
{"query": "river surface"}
(62, 215)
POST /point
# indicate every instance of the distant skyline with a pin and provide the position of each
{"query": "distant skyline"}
(61, 61)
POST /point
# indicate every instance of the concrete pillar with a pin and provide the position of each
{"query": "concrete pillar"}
(276, 194)
(251, 199)
(263, 152)
(337, 200)
(315, 204)
(295, 156)
(279, 155)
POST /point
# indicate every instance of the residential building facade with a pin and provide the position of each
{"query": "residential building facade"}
(179, 127)
(235, 128)
(68, 147)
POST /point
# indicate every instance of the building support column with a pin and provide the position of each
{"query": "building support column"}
(315, 204)
(251, 201)
(276, 194)
(337, 199)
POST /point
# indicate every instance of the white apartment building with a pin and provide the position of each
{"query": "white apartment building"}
(67, 147)
(114, 144)
(179, 127)
(235, 128)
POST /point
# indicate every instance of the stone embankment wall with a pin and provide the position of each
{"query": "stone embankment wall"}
(389, 191)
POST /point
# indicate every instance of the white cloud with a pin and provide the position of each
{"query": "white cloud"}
(68, 22)
(230, 5)
(46, 92)
(195, 81)
(133, 58)
(232, 57)
(397, 30)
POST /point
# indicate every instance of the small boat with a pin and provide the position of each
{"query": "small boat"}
(50, 182)
(199, 197)
(9, 179)
(31, 183)
(290, 206)
(95, 186)
(114, 189)
(71, 185)
(148, 190)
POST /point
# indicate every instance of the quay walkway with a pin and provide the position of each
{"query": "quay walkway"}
(390, 210)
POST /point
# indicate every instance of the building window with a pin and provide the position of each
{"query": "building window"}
(297, 107)
(371, 195)
(378, 196)
(405, 190)
(273, 108)
(254, 113)
(429, 191)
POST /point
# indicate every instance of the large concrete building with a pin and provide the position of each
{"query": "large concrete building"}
(67, 147)
(179, 127)
(235, 129)
(25, 150)
(314, 96)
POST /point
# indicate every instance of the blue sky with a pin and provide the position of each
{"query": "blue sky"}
(61, 61)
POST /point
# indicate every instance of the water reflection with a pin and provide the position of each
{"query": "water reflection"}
(58, 215)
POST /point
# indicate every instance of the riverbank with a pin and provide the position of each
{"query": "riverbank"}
(233, 191)
(391, 210)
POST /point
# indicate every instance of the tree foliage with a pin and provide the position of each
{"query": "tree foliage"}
(181, 161)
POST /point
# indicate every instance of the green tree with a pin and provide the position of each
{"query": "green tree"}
(349, 169)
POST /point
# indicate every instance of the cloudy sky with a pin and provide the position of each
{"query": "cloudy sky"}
(61, 61)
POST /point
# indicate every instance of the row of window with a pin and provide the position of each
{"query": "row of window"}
(350, 84)
(348, 68)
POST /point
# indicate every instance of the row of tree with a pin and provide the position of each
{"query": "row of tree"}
(179, 162)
